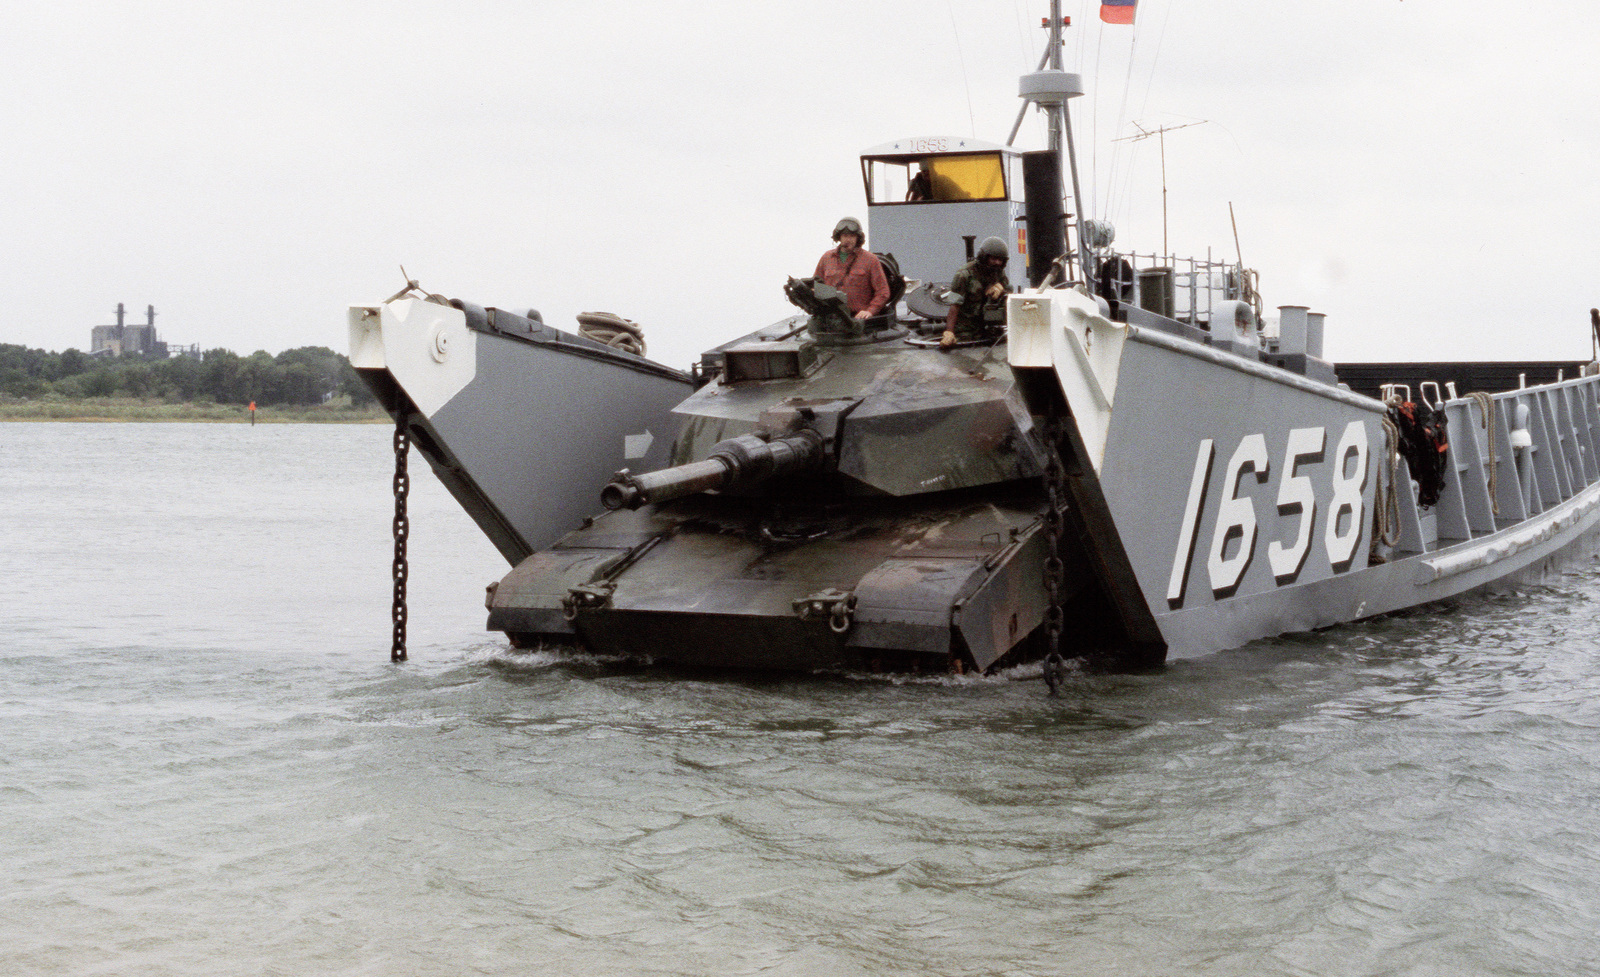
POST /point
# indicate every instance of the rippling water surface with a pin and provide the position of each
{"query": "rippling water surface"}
(210, 768)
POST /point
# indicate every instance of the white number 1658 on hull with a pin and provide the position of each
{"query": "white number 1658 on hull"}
(1237, 527)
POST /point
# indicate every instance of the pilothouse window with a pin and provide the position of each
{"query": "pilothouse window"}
(937, 179)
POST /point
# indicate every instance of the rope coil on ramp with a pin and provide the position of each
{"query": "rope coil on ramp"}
(612, 330)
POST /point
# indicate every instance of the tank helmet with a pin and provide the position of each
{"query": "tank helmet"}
(993, 247)
(849, 224)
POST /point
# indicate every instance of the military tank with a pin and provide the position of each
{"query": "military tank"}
(842, 494)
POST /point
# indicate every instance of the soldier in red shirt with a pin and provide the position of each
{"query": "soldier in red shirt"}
(854, 270)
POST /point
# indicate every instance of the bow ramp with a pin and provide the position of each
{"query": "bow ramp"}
(1064, 333)
(523, 423)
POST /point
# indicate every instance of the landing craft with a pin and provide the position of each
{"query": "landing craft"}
(1134, 470)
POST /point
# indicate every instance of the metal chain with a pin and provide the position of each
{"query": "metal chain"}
(1055, 487)
(402, 529)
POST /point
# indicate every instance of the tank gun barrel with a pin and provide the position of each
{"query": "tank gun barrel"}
(745, 460)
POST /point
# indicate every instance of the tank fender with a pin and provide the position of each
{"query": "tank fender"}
(1010, 602)
(905, 604)
(529, 599)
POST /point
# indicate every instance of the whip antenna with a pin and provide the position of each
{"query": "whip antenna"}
(1161, 136)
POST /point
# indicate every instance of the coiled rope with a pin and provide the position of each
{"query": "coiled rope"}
(1387, 516)
(613, 330)
(1486, 405)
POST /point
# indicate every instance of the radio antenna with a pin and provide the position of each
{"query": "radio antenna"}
(1161, 136)
(1235, 222)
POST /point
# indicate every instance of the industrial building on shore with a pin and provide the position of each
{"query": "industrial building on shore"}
(125, 339)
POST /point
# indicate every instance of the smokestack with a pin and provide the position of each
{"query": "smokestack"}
(150, 313)
(1041, 190)
(120, 313)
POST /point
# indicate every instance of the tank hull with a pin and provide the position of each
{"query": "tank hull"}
(789, 584)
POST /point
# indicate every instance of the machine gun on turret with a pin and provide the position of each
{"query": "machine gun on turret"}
(830, 314)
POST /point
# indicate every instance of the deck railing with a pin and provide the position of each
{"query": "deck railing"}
(1184, 289)
(1538, 449)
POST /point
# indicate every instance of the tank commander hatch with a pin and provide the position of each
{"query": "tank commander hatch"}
(979, 290)
(854, 270)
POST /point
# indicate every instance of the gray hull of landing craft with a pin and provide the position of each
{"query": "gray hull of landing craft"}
(1243, 589)
(1234, 501)
(838, 495)
(521, 422)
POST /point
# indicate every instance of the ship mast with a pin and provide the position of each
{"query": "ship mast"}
(1050, 88)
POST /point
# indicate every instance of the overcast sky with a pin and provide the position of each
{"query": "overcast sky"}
(1420, 170)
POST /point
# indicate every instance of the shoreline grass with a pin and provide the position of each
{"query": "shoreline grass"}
(124, 409)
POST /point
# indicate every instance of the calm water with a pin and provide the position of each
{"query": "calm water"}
(210, 768)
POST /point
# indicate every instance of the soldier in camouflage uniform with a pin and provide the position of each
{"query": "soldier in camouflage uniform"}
(981, 287)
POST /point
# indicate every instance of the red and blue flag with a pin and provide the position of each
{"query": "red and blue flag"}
(1117, 11)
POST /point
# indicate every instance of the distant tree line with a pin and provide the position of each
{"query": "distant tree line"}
(307, 375)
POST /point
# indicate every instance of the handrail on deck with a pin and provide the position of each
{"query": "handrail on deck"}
(1199, 283)
(1535, 449)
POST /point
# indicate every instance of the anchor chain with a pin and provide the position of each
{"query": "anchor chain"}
(402, 529)
(1055, 487)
